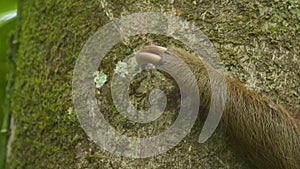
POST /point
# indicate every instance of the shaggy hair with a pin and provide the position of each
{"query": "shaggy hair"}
(266, 132)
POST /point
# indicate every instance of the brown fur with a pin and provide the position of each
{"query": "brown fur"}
(265, 131)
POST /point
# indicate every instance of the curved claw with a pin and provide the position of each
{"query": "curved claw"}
(150, 54)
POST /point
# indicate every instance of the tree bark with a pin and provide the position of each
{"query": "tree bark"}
(258, 43)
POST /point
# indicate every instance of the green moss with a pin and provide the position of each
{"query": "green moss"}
(46, 133)
(53, 32)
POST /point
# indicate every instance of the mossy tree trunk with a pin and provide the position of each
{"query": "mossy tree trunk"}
(258, 42)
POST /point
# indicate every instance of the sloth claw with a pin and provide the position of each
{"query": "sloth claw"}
(150, 54)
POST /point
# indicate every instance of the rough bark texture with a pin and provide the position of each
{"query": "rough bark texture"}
(258, 42)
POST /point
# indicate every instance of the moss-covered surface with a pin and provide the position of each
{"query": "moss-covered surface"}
(258, 42)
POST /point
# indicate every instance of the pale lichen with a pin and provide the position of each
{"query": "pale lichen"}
(121, 69)
(99, 78)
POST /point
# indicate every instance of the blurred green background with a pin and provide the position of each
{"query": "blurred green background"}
(8, 11)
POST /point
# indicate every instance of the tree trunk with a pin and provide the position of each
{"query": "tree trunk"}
(258, 42)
